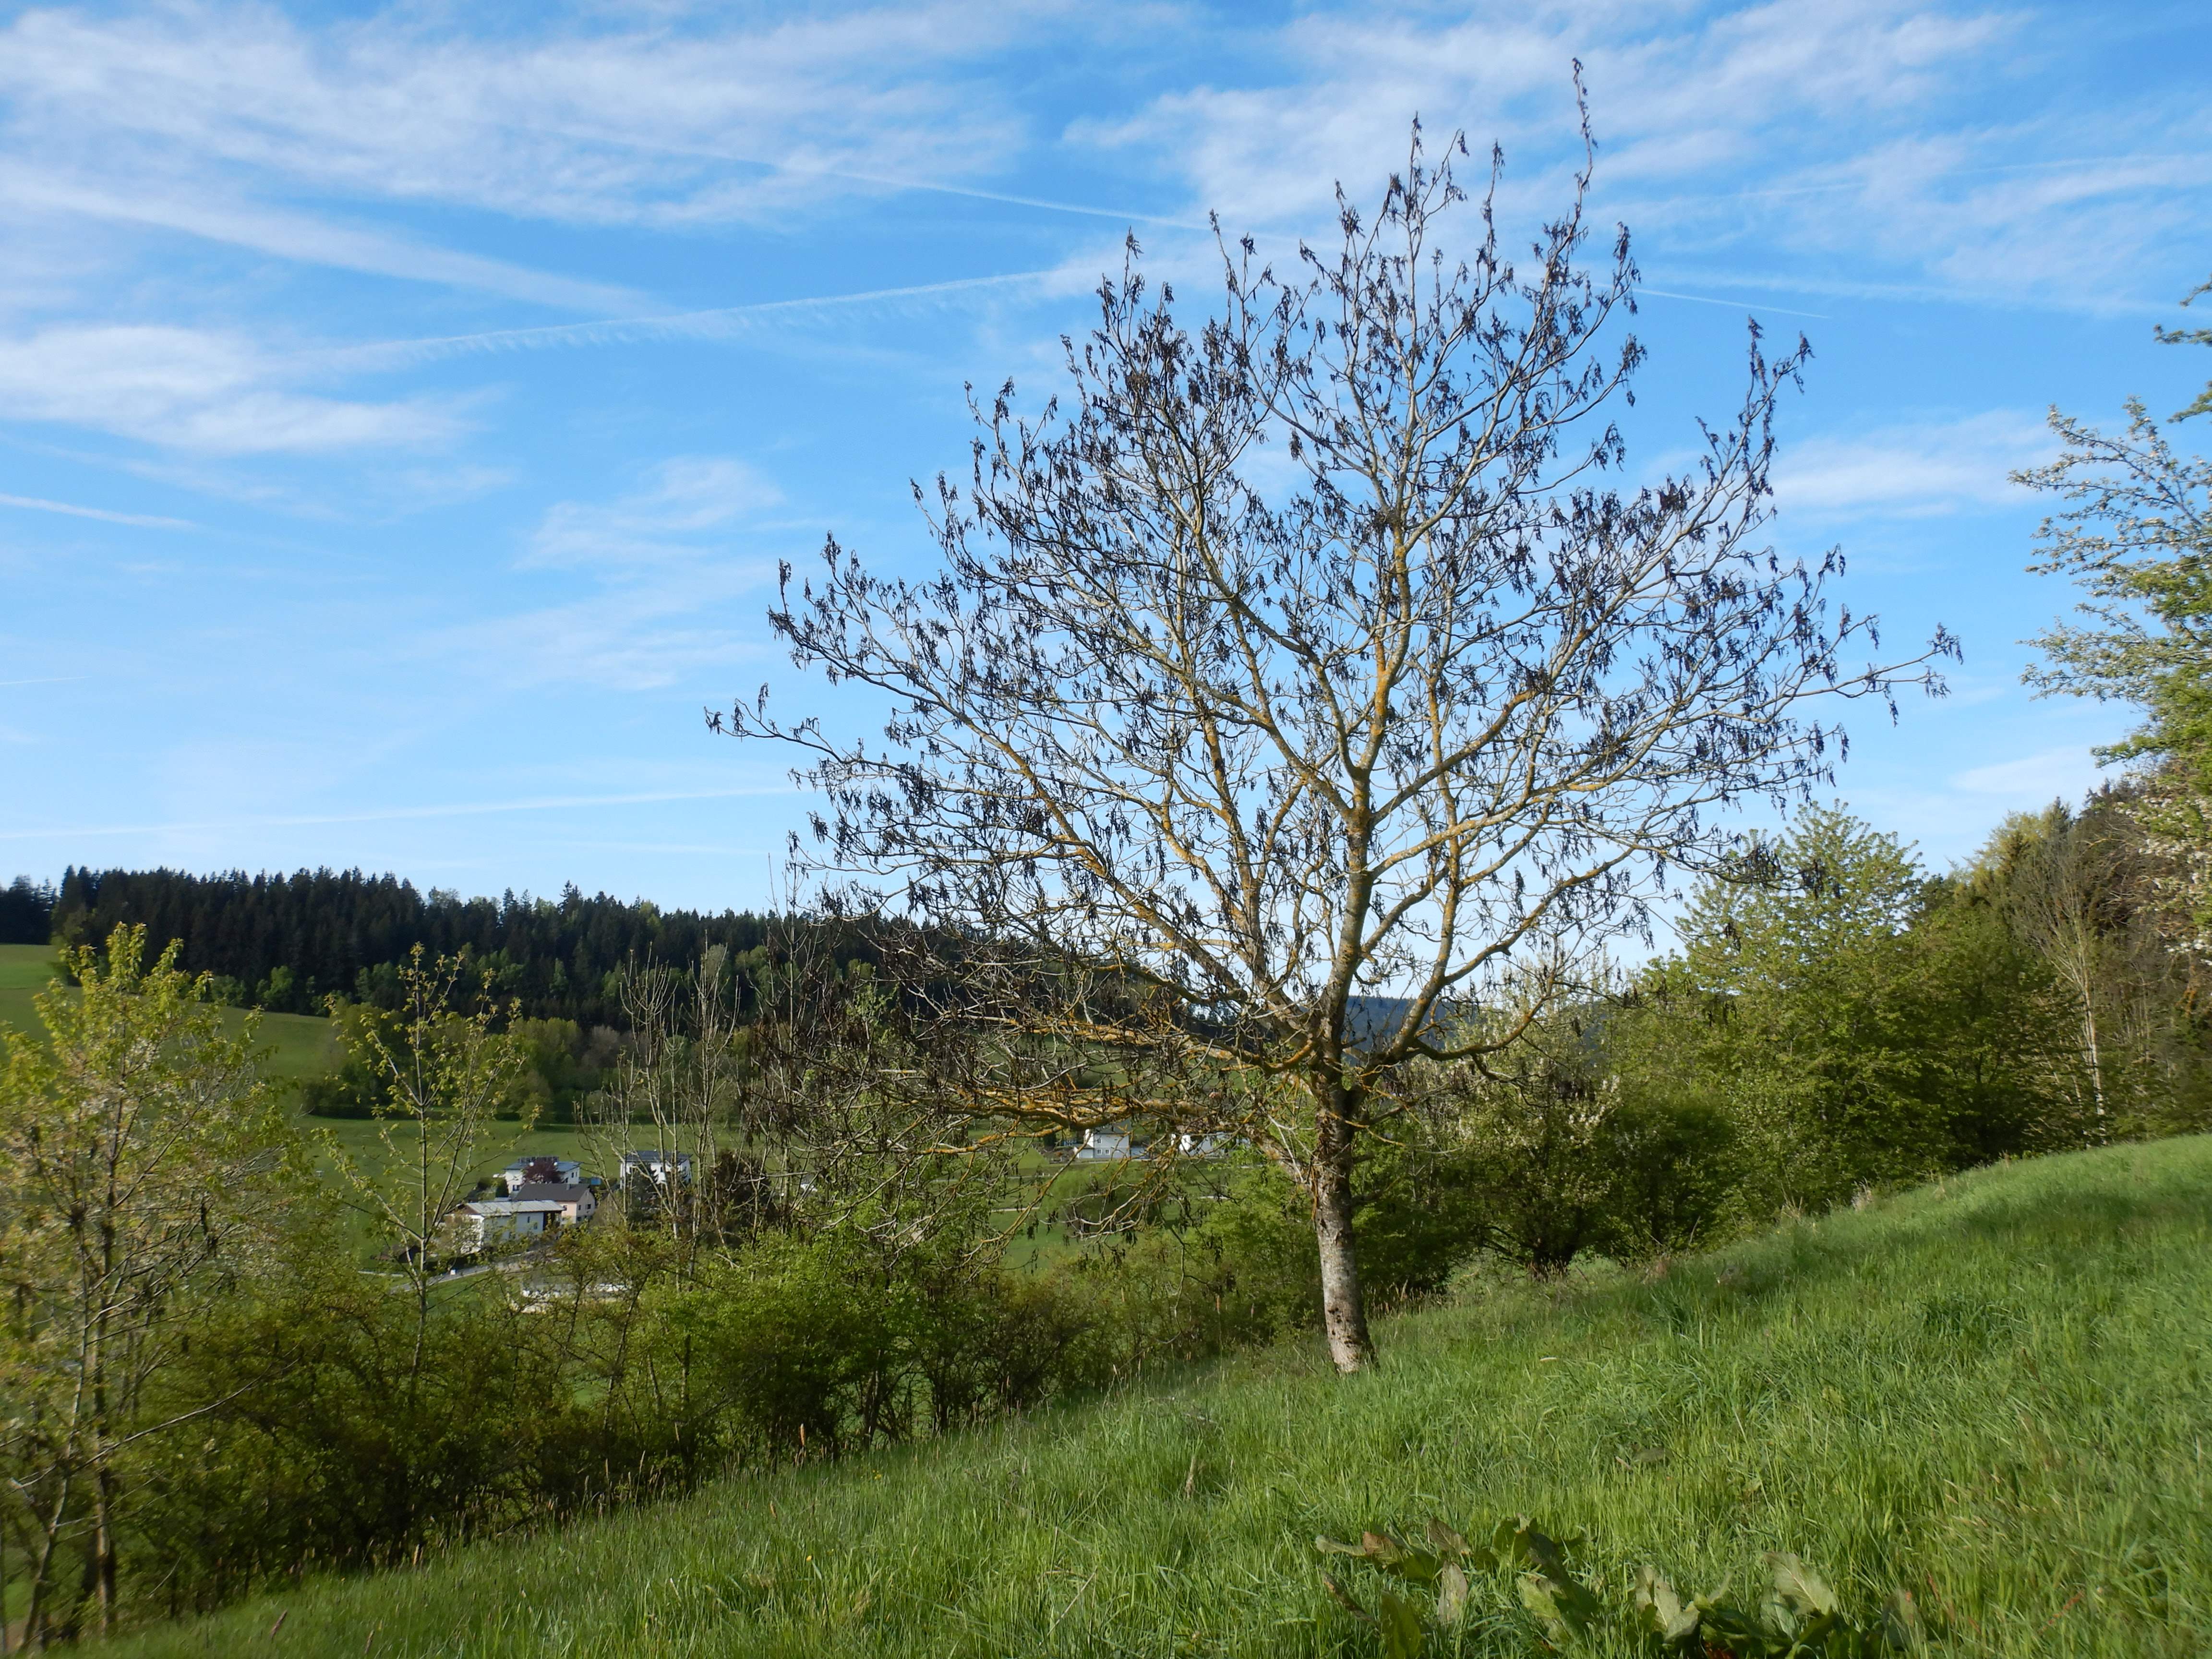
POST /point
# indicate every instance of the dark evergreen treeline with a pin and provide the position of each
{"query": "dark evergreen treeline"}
(289, 942)
(26, 912)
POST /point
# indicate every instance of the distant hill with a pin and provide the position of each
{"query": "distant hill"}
(285, 943)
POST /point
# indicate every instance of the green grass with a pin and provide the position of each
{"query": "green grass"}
(293, 1047)
(503, 1142)
(1997, 1390)
(24, 971)
(296, 1045)
(26, 965)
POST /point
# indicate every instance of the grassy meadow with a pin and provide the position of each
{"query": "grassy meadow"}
(389, 1165)
(25, 970)
(1994, 1391)
(504, 1142)
(296, 1045)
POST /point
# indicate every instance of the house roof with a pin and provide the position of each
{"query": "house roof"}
(510, 1206)
(555, 1192)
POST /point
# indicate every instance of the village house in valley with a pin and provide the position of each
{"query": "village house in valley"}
(657, 1166)
(576, 1201)
(540, 1169)
(488, 1222)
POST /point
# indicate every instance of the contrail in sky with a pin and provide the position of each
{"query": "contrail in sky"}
(466, 808)
(36, 505)
(885, 180)
(1739, 305)
(690, 325)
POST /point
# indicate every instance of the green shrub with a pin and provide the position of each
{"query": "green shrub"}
(1563, 1146)
(330, 1437)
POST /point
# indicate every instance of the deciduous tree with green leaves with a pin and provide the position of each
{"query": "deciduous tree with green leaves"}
(2086, 893)
(1857, 1022)
(144, 1165)
(2137, 536)
(1780, 999)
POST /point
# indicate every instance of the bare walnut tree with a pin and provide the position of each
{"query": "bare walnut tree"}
(1302, 676)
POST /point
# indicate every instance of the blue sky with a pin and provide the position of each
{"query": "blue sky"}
(403, 410)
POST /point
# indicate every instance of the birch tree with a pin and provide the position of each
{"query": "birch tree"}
(2090, 894)
(1303, 669)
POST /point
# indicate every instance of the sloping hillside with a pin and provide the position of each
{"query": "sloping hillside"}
(297, 1045)
(1996, 1392)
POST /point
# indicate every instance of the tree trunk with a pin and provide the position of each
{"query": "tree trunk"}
(1343, 1308)
(2096, 1057)
(42, 1566)
(103, 1545)
(102, 1564)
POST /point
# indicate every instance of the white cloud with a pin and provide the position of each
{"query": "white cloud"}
(638, 639)
(2033, 780)
(39, 504)
(1914, 470)
(301, 237)
(649, 119)
(404, 491)
(1676, 90)
(253, 768)
(198, 390)
(721, 323)
(1883, 130)
(1763, 134)
(689, 495)
(1985, 211)
(235, 123)
(669, 563)
(398, 483)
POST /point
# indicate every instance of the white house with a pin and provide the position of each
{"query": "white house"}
(482, 1223)
(1102, 1146)
(1212, 1146)
(540, 1169)
(577, 1201)
(658, 1167)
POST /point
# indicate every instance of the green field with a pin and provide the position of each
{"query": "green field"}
(296, 1045)
(1996, 1391)
(502, 1143)
(300, 1046)
(24, 971)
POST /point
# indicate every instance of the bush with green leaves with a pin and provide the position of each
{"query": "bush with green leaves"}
(1555, 1149)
